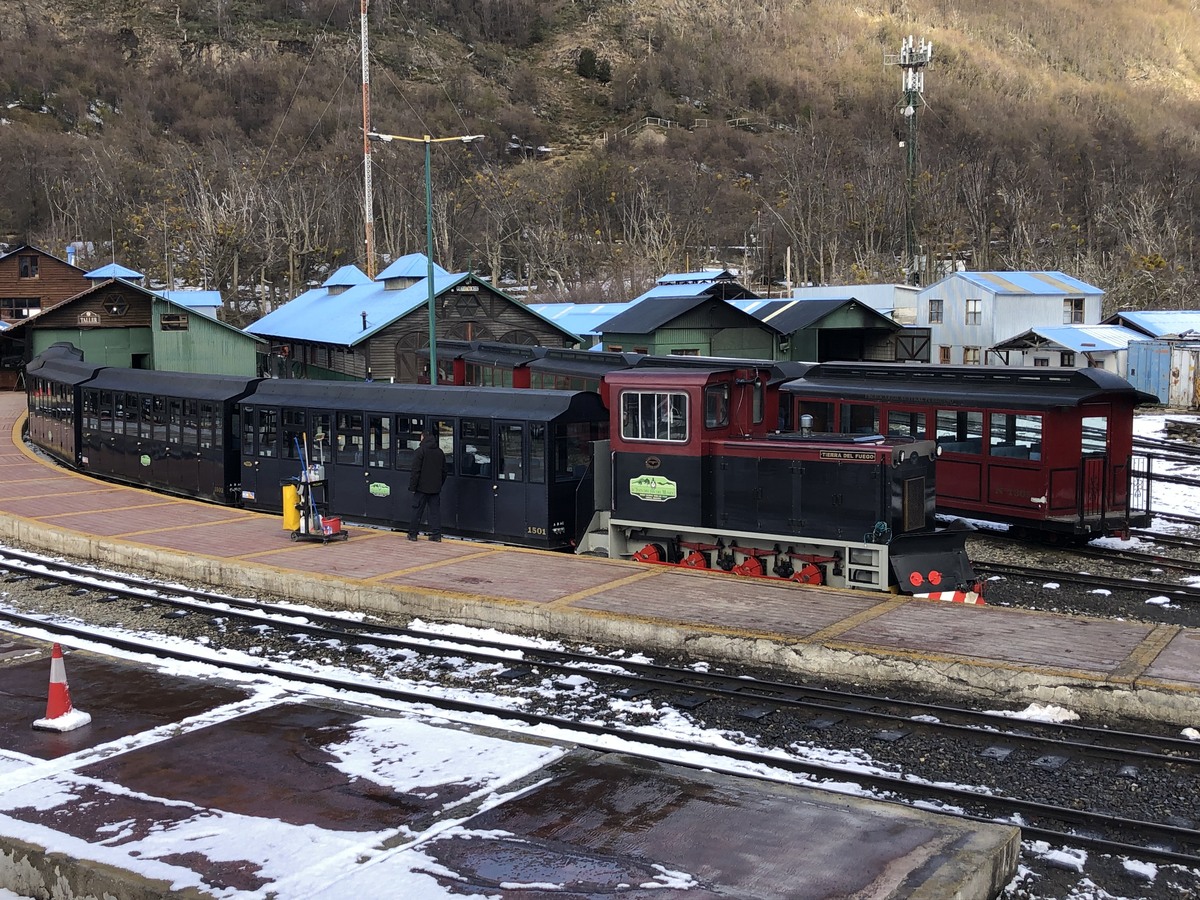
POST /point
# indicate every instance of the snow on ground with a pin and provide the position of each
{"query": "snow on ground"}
(404, 752)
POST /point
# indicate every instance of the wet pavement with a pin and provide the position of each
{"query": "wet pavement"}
(188, 786)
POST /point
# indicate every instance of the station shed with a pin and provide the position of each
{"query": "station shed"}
(356, 328)
(117, 322)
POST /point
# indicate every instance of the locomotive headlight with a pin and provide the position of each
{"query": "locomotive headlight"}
(938, 451)
(899, 456)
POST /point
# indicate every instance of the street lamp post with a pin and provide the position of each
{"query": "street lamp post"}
(428, 142)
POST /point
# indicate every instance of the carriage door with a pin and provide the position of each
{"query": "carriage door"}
(508, 486)
(474, 510)
(1093, 494)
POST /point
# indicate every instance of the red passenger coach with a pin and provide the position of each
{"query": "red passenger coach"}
(1049, 451)
(698, 480)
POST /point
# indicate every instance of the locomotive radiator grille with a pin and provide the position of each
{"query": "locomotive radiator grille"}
(913, 513)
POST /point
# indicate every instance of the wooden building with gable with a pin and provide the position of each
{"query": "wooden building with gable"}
(354, 328)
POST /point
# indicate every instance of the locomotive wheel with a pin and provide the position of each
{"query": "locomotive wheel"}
(651, 553)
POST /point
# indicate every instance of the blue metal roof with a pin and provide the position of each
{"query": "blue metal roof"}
(1076, 338)
(579, 318)
(114, 270)
(706, 276)
(1027, 282)
(324, 317)
(346, 276)
(192, 299)
(412, 265)
(1160, 323)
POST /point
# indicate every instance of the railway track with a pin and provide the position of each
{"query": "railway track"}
(783, 720)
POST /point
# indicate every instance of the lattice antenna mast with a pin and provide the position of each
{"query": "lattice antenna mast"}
(912, 60)
(368, 189)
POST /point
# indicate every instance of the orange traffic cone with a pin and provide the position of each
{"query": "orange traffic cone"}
(60, 716)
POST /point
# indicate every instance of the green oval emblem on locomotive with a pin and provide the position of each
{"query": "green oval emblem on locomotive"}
(144, 460)
(379, 489)
(653, 487)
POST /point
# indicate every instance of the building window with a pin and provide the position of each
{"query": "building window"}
(19, 307)
(975, 312)
(970, 356)
(1041, 361)
(28, 266)
(173, 322)
(685, 352)
(944, 355)
(935, 312)
(1096, 364)
(116, 307)
(1067, 360)
(614, 348)
(1073, 311)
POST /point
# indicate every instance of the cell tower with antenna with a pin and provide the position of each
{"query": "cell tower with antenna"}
(912, 60)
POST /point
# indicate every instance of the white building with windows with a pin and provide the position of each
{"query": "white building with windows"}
(969, 313)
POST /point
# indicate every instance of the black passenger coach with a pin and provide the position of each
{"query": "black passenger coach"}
(516, 460)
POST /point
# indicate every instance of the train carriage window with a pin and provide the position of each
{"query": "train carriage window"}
(905, 423)
(537, 453)
(408, 439)
(960, 431)
(348, 442)
(1095, 435)
(175, 433)
(1015, 436)
(716, 406)
(208, 418)
(106, 410)
(293, 433)
(572, 450)
(379, 441)
(248, 430)
(191, 420)
(268, 432)
(147, 415)
(159, 419)
(118, 413)
(322, 438)
(859, 418)
(511, 465)
(91, 409)
(654, 416)
(475, 447)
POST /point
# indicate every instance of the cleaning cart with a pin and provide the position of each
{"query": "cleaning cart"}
(305, 503)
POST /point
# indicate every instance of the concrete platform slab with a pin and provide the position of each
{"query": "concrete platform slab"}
(265, 796)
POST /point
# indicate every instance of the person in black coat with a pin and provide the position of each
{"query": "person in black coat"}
(425, 482)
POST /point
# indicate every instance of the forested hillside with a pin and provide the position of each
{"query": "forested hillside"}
(220, 141)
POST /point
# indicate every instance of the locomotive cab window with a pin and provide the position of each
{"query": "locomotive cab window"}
(654, 416)
(716, 406)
